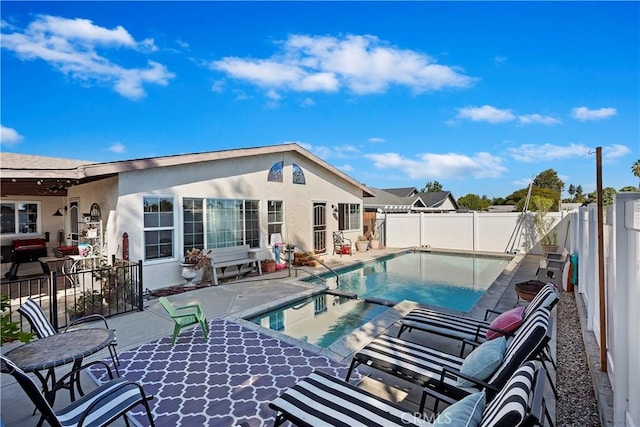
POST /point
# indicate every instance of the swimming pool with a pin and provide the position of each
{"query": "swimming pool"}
(320, 319)
(444, 280)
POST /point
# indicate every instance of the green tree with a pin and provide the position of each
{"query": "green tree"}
(579, 194)
(549, 179)
(608, 193)
(628, 188)
(572, 191)
(432, 187)
(607, 196)
(519, 197)
(635, 168)
(474, 202)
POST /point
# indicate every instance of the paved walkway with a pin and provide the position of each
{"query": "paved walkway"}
(232, 298)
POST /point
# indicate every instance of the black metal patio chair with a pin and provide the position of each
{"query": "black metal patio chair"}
(100, 407)
(42, 326)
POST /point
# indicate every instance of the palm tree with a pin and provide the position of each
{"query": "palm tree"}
(635, 168)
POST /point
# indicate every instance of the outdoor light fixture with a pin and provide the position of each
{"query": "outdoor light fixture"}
(58, 213)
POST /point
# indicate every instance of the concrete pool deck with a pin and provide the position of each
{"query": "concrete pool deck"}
(232, 300)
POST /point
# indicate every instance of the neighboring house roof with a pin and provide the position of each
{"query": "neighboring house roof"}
(426, 202)
(402, 192)
(37, 175)
(435, 199)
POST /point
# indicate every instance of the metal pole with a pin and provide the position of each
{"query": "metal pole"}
(603, 319)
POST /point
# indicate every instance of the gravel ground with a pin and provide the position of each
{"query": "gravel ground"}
(576, 404)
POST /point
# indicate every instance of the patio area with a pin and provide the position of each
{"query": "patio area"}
(230, 379)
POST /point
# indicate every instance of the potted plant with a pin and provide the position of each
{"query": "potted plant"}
(89, 302)
(10, 330)
(375, 237)
(194, 260)
(268, 266)
(362, 244)
(544, 225)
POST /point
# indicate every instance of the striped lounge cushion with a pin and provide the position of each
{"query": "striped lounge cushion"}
(36, 317)
(107, 403)
(527, 344)
(448, 325)
(510, 407)
(322, 400)
(414, 362)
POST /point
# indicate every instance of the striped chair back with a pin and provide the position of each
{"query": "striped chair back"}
(512, 406)
(37, 319)
(527, 344)
(546, 298)
(31, 388)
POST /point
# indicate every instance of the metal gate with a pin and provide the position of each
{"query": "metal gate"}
(320, 227)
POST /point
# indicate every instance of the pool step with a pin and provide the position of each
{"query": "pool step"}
(380, 301)
(335, 292)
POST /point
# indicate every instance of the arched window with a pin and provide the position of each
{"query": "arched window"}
(298, 175)
(275, 173)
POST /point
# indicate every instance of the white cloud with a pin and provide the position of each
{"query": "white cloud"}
(346, 168)
(359, 64)
(321, 151)
(376, 140)
(615, 151)
(71, 47)
(9, 136)
(493, 115)
(499, 59)
(307, 102)
(240, 95)
(543, 152)
(450, 165)
(584, 114)
(217, 86)
(116, 148)
(537, 118)
(486, 113)
(273, 95)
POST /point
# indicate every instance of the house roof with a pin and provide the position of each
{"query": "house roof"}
(435, 199)
(390, 201)
(37, 175)
(402, 191)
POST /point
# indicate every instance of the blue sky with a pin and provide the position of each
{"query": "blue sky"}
(480, 96)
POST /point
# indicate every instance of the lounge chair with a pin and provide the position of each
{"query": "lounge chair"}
(187, 315)
(465, 328)
(100, 407)
(428, 367)
(42, 326)
(323, 400)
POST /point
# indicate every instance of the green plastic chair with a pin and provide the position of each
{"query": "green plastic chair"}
(182, 320)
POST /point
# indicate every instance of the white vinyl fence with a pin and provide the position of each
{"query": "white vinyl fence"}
(472, 231)
(621, 241)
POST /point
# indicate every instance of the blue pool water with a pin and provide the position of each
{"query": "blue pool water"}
(450, 281)
(443, 280)
(321, 319)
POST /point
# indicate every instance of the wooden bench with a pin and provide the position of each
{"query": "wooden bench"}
(233, 262)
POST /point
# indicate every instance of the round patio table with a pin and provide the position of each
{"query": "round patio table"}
(47, 353)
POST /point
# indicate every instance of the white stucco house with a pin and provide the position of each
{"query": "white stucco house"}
(169, 204)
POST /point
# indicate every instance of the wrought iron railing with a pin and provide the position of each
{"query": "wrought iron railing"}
(107, 290)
